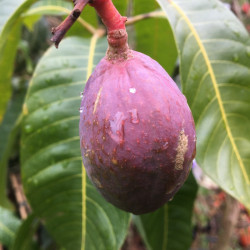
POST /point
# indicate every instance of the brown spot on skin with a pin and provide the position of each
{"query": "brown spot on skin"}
(100, 160)
(95, 122)
(181, 150)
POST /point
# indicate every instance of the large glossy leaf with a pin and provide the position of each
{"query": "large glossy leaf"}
(214, 51)
(55, 183)
(10, 25)
(170, 226)
(154, 36)
(9, 224)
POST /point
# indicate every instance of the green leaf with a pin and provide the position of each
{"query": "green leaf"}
(50, 7)
(10, 26)
(9, 224)
(154, 36)
(121, 6)
(214, 50)
(45, 7)
(55, 183)
(62, 8)
(170, 226)
(9, 131)
(25, 234)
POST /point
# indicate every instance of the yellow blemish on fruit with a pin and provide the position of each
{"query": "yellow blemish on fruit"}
(97, 99)
(181, 150)
(25, 109)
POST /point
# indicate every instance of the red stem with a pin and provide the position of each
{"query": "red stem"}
(109, 14)
(115, 23)
(117, 36)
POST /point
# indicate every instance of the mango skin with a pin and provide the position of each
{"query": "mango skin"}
(137, 133)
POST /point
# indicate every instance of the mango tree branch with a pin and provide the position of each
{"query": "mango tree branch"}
(59, 31)
(82, 22)
(110, 16)
(23, 206)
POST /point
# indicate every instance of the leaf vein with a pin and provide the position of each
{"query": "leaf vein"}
(216, 88)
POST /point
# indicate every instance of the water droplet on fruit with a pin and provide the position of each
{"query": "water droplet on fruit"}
(117, 127)
(132, 90)
(134, 116)
(248, 51)
(28, 128)
(80, 110)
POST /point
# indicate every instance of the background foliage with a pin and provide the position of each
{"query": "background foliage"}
(201, 44)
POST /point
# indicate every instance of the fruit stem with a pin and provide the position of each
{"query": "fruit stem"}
(115, 23)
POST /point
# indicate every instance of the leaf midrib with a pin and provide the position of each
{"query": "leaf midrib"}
(216, 88)
(92, 48)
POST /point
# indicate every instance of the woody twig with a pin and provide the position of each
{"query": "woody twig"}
(23, 206)
(59, 31)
